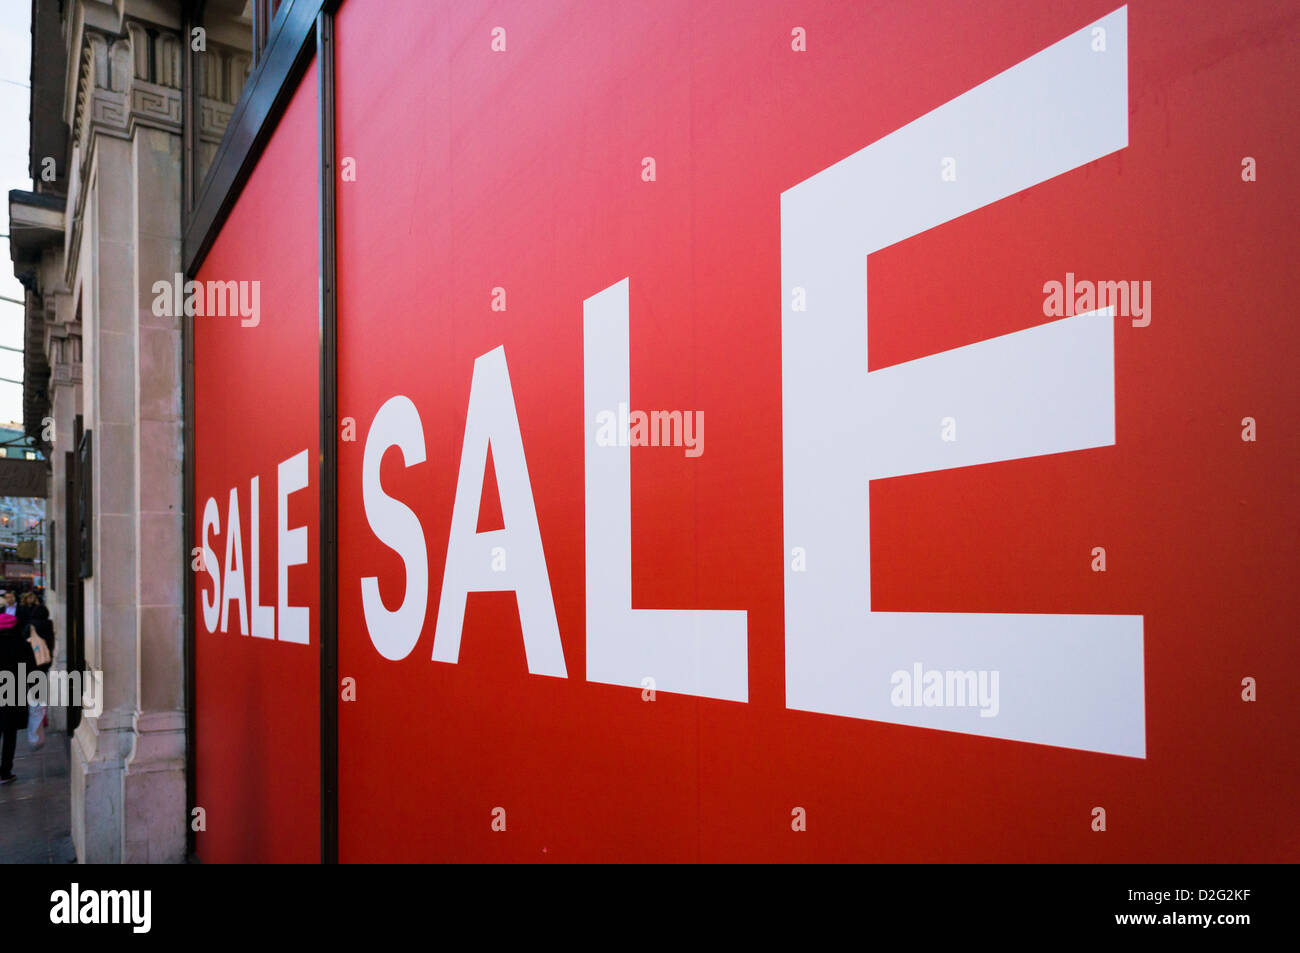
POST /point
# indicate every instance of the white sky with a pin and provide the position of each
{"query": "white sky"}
(15, 105)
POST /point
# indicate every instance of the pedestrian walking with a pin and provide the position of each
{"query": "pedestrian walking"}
(15, 656)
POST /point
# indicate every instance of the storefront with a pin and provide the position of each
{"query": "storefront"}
(551, 497)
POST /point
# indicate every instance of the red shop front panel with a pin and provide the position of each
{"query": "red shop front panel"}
(801, 431)
(256, 512)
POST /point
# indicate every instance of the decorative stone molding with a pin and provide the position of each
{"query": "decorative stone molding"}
(140, 48)
(63, 346)
(123, 81)
(156, 105)
(223, 70)
(157, 54)
(66, 374)
(126, 80)
(119, 64)
(214, 116)
(108, 111)
(167, 58)
(93, 77)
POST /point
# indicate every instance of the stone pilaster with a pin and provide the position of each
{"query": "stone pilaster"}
(128, 768)
(155, 772)
(102, 743)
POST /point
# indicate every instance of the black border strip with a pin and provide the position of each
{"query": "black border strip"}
(288, 51)
(329, 577)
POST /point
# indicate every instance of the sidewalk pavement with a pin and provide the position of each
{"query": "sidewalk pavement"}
(36, 810)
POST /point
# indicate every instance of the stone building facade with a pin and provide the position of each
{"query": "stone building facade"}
(129, 101)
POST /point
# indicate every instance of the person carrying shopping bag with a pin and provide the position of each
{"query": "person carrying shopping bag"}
(34, 619)
(42, 644)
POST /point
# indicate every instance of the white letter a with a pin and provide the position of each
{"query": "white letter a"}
(491, 419)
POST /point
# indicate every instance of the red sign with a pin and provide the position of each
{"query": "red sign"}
(767, 434)
(256, 520)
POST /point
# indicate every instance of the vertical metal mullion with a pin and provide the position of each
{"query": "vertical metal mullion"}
(261, 21)
(329, 696)
(187, 598)
(189, 132)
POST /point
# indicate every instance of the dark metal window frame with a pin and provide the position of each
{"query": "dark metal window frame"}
(74, 637)
(298, 30)
(328, 409)
(289, 48)
(86, 504)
